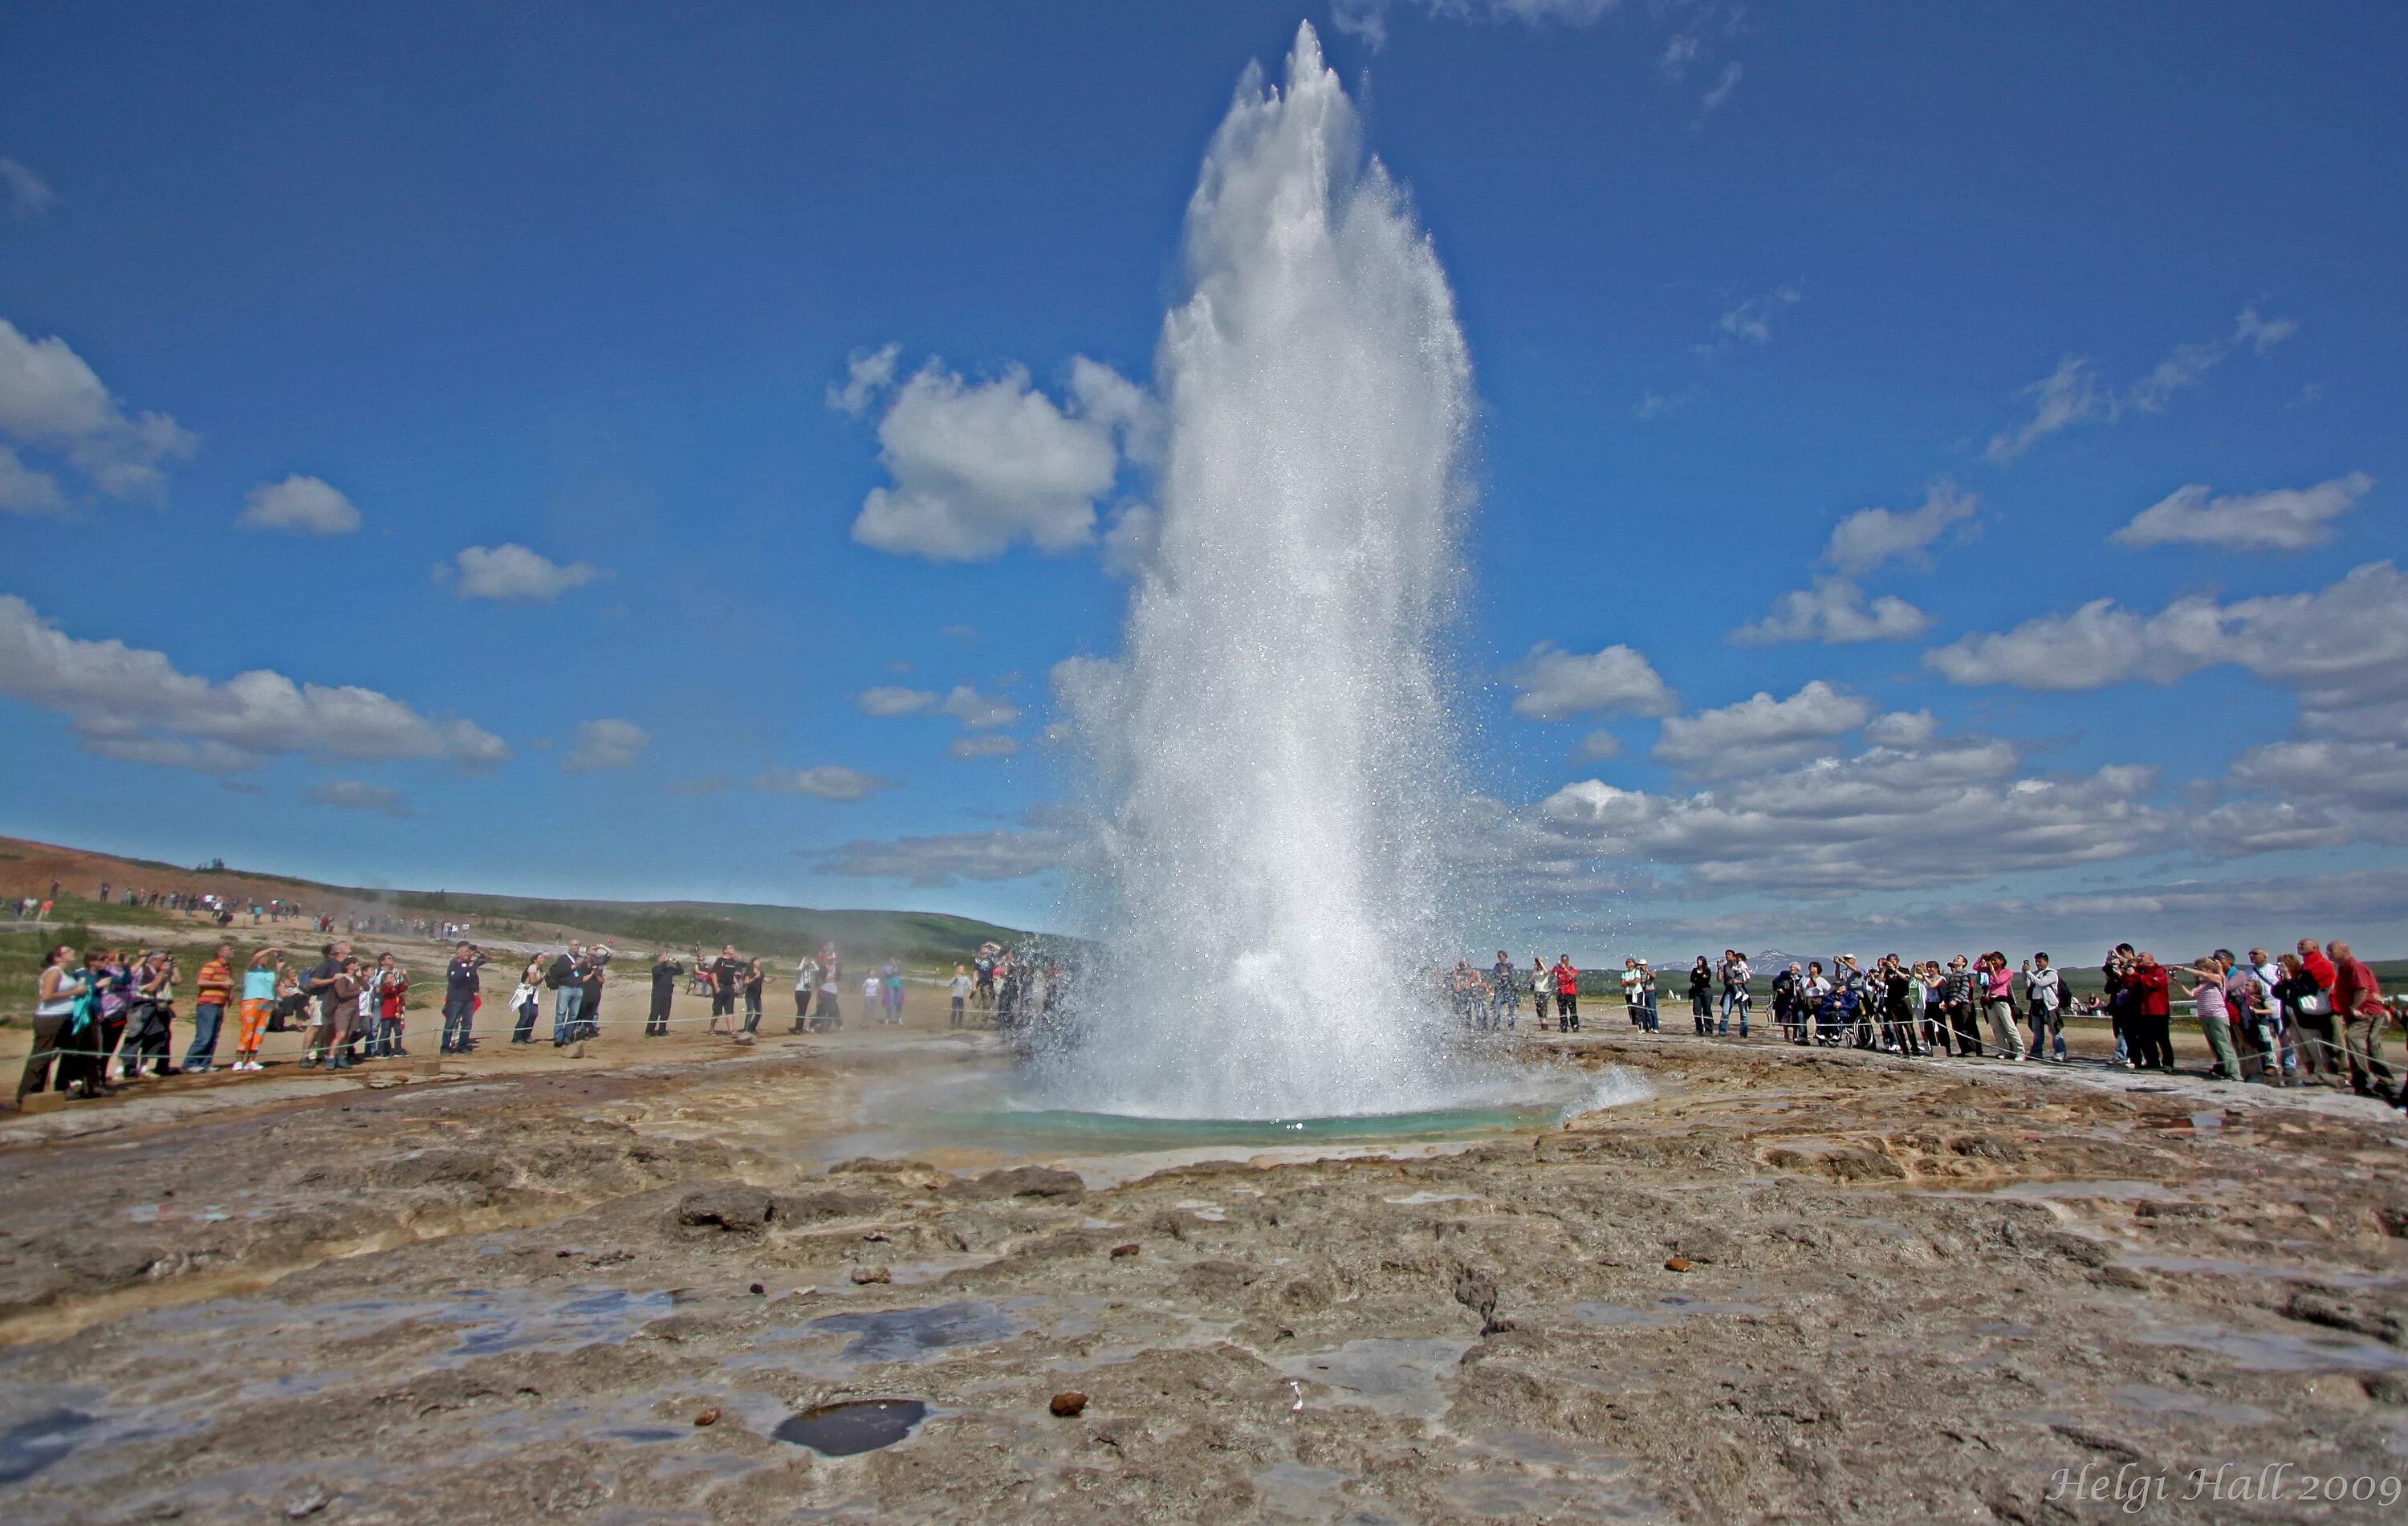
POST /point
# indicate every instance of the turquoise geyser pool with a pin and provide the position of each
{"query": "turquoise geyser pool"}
(982, 1113)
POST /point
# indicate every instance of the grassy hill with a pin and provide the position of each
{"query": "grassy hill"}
(921, 938)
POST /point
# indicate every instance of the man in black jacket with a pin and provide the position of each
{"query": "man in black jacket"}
(666, 971)
(460, 986)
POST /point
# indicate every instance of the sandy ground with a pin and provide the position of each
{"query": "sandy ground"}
(1786, 1285)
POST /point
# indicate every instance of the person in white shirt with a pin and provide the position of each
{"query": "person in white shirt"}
(960, 989)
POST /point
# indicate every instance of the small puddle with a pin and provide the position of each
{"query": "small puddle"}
(2270, 1351)
(853, 1426)
(30, 1445)
(2151, 1400)
(909, 1334)
(1667, 1310)
(1395, 1377)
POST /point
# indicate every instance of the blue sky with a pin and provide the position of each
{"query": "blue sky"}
(580, 280)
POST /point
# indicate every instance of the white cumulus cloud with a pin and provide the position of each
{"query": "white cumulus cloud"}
(890, 699)
(978, 711)
(979, 467)
(512, 573)
(1555, 684)
(828, 781)
(1761, 732)
(25, 491)
(1834, 611)
(2284, 519)
(52, 399)
(1043, 841)
(608, 744)
(133, 704)
(305, 504)
(1870, 537)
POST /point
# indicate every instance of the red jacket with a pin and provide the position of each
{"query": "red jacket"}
(2322, 968)
(2149, 980)
(2355, 992)
(1567, 980)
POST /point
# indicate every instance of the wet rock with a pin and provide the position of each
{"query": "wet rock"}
(864, 1275)
(2317, 1306)
(1021, 1181)
(2386, 1387)
(1123, 1251)
(731, 1208)
(1218, 1279)
(811, 1207)
(1068, 1406)
(1476, 1290)
(1704, 1242)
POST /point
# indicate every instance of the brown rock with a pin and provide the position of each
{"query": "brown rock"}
(1130, 1249)
(1678, 1264)
(865, 1275)
(708, 1417)
(1068, 1404)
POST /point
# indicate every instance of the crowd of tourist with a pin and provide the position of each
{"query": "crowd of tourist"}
(2309, 1015)
(106, 1017)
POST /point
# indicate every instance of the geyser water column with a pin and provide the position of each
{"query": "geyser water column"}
(1272, 758)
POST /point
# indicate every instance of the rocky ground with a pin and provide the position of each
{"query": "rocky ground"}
(1789, 1285)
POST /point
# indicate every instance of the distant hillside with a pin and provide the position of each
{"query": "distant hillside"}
(917, 936)
(29, 869)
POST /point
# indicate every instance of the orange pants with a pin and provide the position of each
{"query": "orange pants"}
(254, 1022)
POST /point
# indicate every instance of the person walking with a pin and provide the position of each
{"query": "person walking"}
(212, 993)
(666, 968)
(1567, 994)
(2359, 1010)
(2045, 999)
(1701, 997)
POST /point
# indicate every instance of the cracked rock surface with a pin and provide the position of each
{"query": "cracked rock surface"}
(1911, 1292)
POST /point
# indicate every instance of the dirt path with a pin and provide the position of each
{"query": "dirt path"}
(1791, 1285)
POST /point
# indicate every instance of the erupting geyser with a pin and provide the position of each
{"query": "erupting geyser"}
(1273, 755)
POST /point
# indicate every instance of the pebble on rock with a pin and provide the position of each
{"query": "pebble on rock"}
(1677, 1264)
(1130, 1249)
(1068, 1404)
(865, 1275)
(708, 1417)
